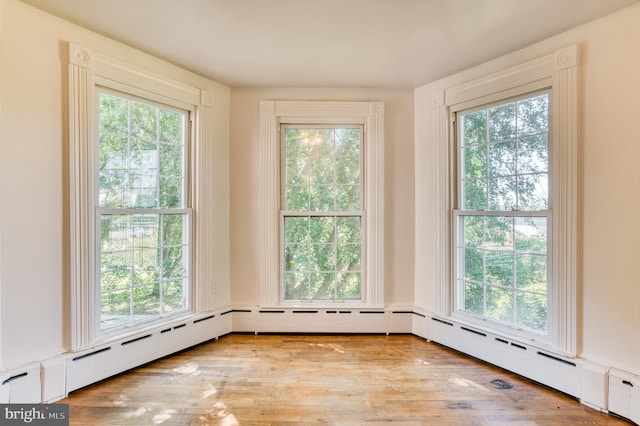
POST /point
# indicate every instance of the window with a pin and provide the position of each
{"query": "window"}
(142, 212)
(322, 213)
(502, 244)
(505, 208)
(323, 201)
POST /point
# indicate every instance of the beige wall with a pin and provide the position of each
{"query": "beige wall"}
(609, 182)
(245, 179)
(34, 242)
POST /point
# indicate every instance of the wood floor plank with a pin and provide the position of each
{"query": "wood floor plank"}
(245, 379)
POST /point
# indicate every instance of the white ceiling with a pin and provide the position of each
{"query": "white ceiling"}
(328, 43)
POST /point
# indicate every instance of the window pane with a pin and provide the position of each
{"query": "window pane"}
(475, 161)
(348, 229)
(146, 302)
(139, 256)
(533, 154)
(171, 127)
(500, 304)
(474, 127)
(296, 286)
(473, 231)
(473, 298)
(533, 116)
(502, 158)
(499, 268)
(533, 191)
(348, 286)
(142, 154)
(296, 257)
(321, 173)
(531, 311)
(473, 265)
(475, 194)
(502, 122)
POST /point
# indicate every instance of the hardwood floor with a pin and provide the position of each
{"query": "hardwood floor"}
(245, 379)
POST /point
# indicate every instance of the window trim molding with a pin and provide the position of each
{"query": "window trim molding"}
(86, 69)
(558, 70)
(371, 116)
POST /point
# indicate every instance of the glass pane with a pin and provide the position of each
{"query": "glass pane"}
(347, 142)
(499, 268)
(146, 301)
(322, 198)
(348, 286)
(297, 198)
(143, 121)
(114, 115)
(115, 270)
(296, 257)
(322, 229)
(499, 232)
(531, 311)
(473, 265)
(474, 161)
(348, 229)
(475, 194)
(296, 229)
(174, 262)
(474, 127)
(297, 171)
(171, 160)
(113, 165)
(502, 122)
(322, 171)
(171, 126)
(531, 272)
(171, 192)
(531, 234)
(115, 308)
(500, 304)
(502, 193)
(174, 295)
(473, 231)
(115, 232)
(533, 192)
(347, 170)
(348, 257)
(173, 227)
(323, 286)
(473, 298)
(533, 154)
(348, 198)
(502, 158)
(296, 286)
(146, 266)
(322, 257)
(533, 115)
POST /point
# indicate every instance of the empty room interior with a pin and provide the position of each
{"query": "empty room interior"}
(386, 175)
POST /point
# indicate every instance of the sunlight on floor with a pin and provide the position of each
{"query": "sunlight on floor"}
(466, 383)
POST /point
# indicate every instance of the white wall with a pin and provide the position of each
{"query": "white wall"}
(609, 228)
(34, 226)
(245, 179)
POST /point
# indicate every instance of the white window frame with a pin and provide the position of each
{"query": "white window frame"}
(559, 73)
(89, 69)
(371, 116)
